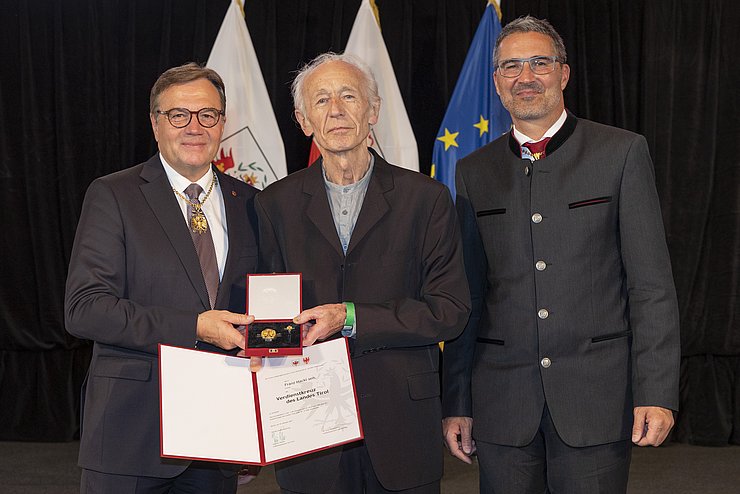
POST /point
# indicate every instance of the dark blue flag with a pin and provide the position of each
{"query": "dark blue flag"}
(475, 115)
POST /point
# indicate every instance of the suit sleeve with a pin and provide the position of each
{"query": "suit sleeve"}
(442, 306)
(96, 304)
(458, 353)
(653, 308)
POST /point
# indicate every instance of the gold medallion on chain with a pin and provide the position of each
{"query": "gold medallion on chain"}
(198, 221)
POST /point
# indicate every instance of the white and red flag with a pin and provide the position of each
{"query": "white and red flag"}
(252, 147)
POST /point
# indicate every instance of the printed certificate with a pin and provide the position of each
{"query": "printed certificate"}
(308, 402)
(213, 408)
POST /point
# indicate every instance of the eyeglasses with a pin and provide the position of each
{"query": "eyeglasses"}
(540, 65)
(181, 117)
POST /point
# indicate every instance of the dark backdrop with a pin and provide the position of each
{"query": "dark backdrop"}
(73, 106)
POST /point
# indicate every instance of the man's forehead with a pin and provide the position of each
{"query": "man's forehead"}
(202, 87)
(330, 88)
(334, 76)
(526, 44)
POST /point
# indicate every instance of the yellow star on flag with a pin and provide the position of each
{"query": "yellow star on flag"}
(482, 126)
(448, 139)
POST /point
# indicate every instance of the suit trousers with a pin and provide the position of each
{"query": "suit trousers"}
(357, 476)
(199, 478)
(549, 466)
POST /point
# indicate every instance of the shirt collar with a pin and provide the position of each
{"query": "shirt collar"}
(181, 183)
(523, 138)
(350, 187)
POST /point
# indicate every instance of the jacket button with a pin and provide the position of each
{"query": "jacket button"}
(540, 265)
(536, 218)
(545, 362)
(543, 313)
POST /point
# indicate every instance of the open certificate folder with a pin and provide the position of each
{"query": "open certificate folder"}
(213, 408)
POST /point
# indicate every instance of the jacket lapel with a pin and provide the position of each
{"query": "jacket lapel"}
(237, 222)
(158, 194)
(318, 210)
(375, 205)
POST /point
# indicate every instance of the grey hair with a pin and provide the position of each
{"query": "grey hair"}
(529, 24)
(181, 75)
(370, 86)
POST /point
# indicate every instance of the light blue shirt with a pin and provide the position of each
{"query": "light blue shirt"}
(345, 202)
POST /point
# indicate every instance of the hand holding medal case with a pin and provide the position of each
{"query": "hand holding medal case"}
(274, 300)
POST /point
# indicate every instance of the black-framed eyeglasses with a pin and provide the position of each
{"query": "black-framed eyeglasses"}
(539, 65)
(181, 117)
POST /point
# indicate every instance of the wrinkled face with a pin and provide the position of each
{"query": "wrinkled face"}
(188, 150)
(338, 113)
(530, 96)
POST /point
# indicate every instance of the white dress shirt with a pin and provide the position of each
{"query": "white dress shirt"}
(213, 208)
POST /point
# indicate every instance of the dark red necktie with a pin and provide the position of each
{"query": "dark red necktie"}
(537, 149)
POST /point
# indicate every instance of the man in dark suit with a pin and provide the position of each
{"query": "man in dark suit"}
(379, 248)
(155, 260)
(572, 347)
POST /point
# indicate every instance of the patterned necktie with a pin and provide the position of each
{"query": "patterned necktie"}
(204, 247)
(537, 149)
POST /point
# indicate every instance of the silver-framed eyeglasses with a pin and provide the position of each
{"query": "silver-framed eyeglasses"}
(181, 117)
(539, 65)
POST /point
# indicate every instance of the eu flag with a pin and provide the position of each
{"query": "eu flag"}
(475, 115)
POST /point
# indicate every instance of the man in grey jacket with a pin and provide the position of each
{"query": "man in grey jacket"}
(571, 353)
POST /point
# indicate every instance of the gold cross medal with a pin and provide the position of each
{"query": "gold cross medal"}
(198, 222)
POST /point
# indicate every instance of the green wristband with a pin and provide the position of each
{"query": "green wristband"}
(349, 320)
